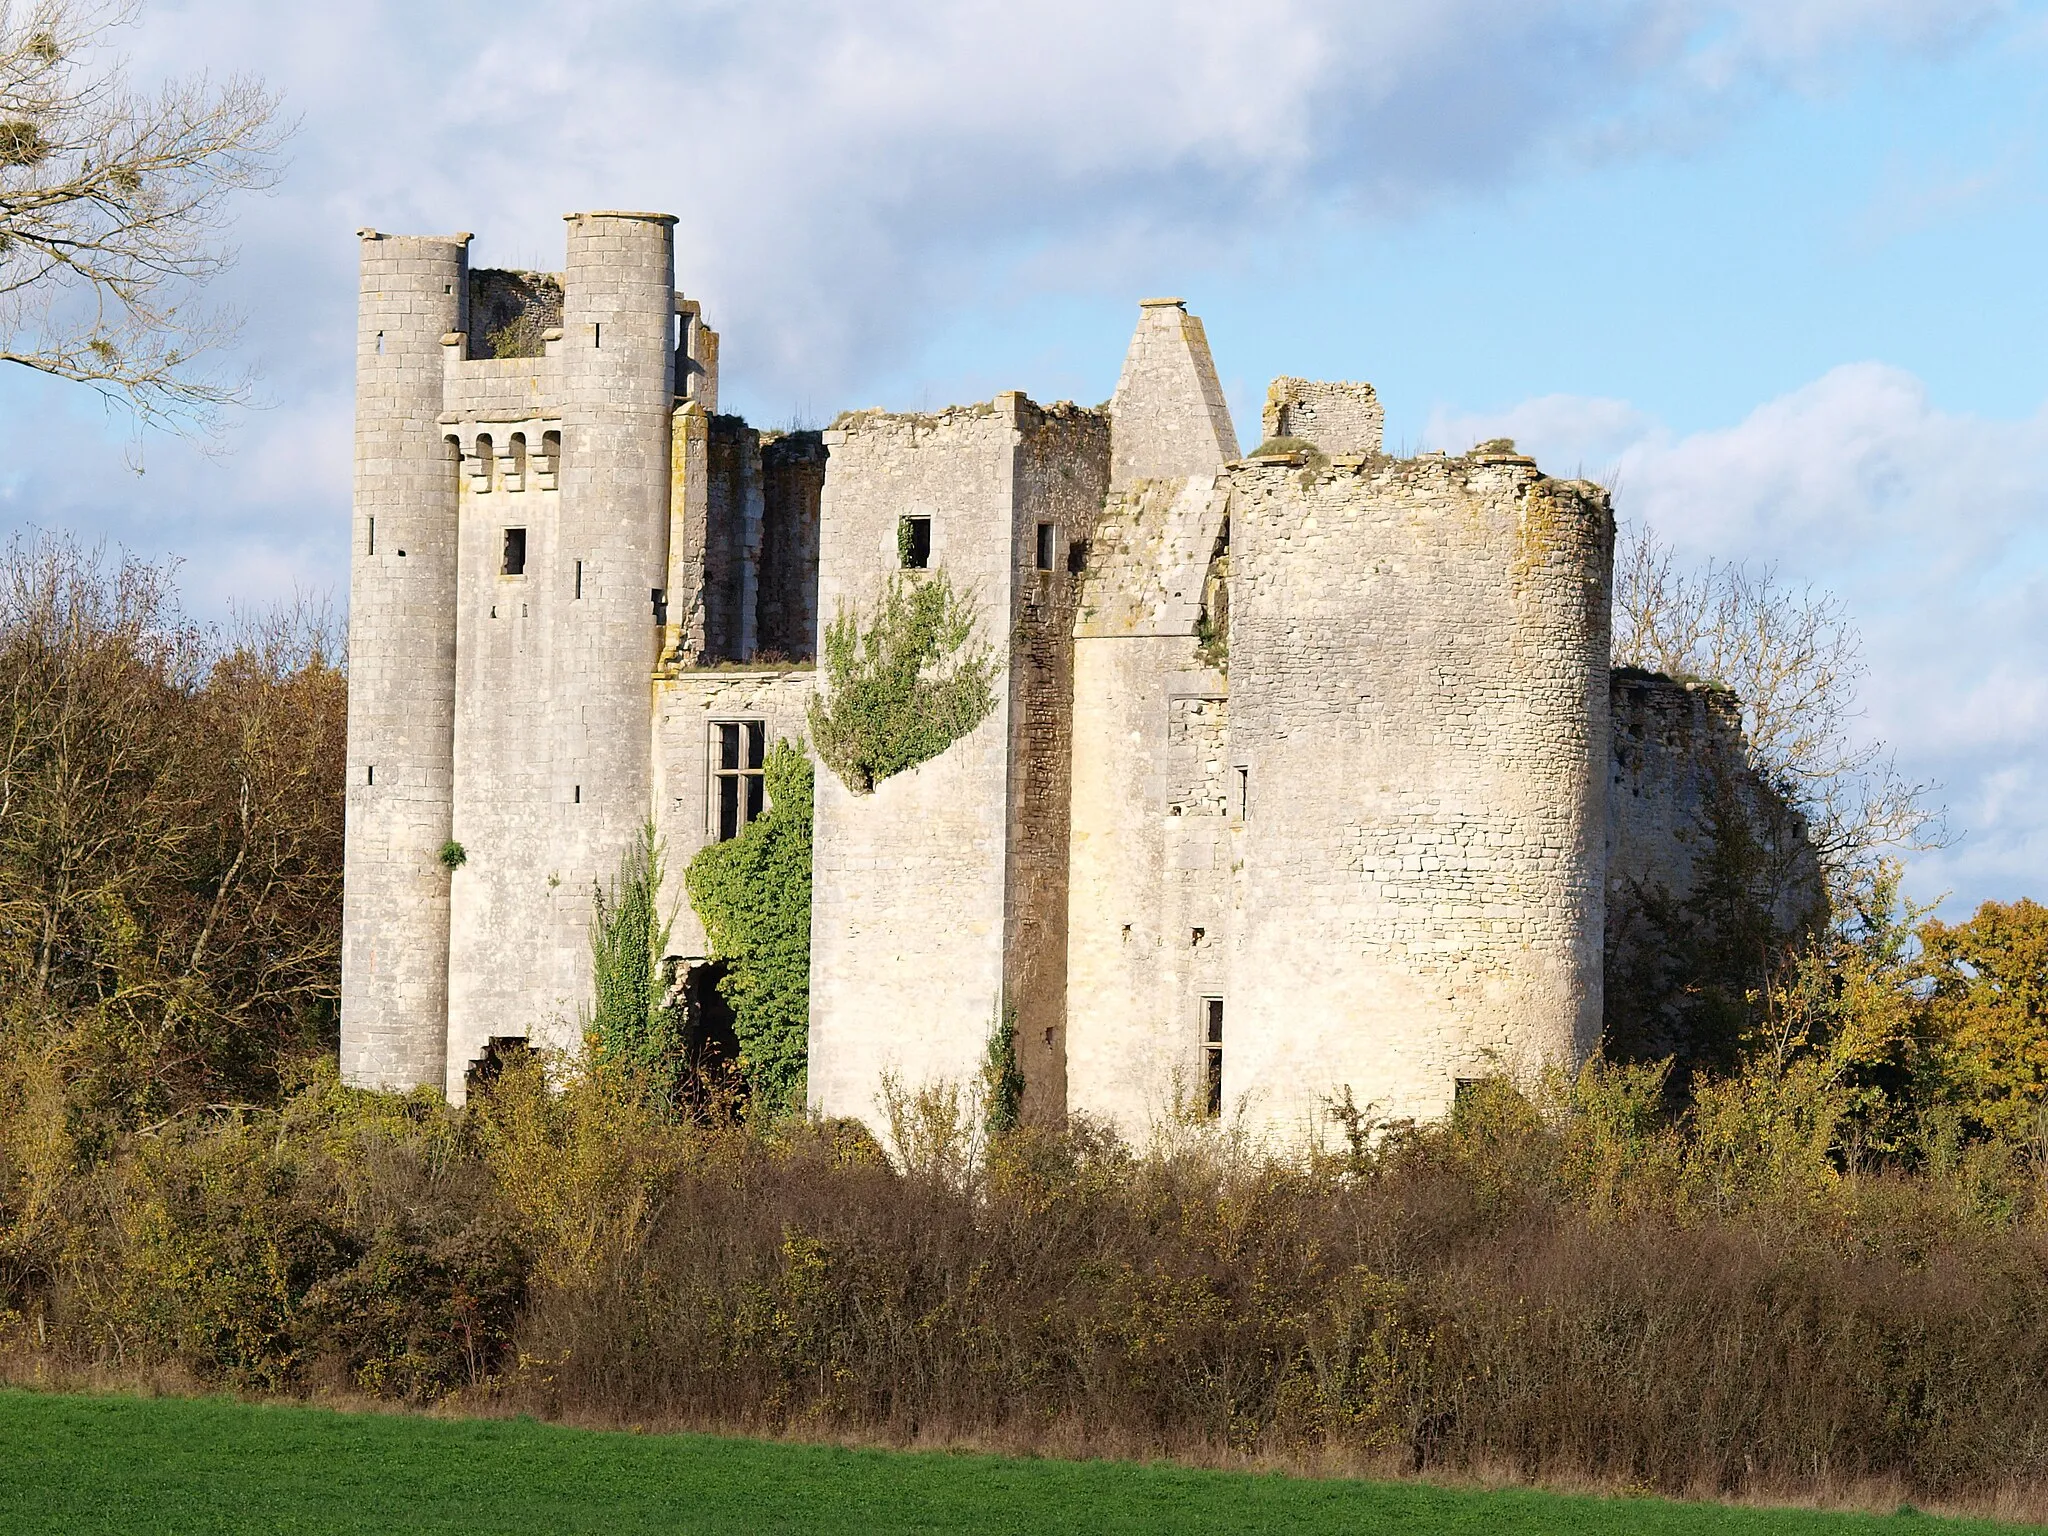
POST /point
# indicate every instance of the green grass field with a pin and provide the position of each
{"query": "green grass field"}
(119, 1464)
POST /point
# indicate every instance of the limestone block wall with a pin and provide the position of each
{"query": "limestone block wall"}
(401, 707)
(732, 541)
(1339, 418)
(1169, 412)
(1670, 740)
(1153, 830)
(1062, 475)
(554, 774)
(1419, 715)
(911, 882)
(792, 481)
(688, 705)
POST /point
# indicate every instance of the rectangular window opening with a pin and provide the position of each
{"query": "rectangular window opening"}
(373, 774)
(597, 333)
(515, 552)
(373, 536)
(577, 799)
(658, 597)
(1244, 794)
(914, 542)
(1047, 538)
(739, 791)
(579, 579)
(1212, 1055)
(1077, 556)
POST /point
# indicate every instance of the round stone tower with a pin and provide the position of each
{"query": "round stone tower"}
(401, 696)
(618, 394)
(1418, 655)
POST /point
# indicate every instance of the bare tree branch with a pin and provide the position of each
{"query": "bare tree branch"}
(1794, 659)
(112, 213)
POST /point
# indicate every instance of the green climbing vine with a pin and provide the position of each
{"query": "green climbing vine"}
(905, 686)
(632, 1029)
(753, 893)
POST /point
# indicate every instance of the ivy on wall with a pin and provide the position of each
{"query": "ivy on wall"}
(905, 686)
(632, 1029)
(753, 893)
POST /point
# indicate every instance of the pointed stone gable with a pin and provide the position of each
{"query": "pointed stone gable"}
(1168, 413)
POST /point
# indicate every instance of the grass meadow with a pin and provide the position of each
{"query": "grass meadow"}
(88, 1464)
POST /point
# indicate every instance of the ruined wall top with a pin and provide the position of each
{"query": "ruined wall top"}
(1168, 411)
(1339, 418)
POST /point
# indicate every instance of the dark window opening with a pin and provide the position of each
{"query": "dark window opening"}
(579, 579)
(1047, 538)
(1077, 556)
(597, 333)
(914, 542)
(500, 1052)
(711, 1044)
(577, 798)
(1244, 794)
(1212, 1054)
(373, 536)
(658, 596)
(373, 774)
(739, 792)
(515, 552)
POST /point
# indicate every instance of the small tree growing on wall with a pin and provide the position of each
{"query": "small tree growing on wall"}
(905, 686)
(753, 893)
(633, 1030)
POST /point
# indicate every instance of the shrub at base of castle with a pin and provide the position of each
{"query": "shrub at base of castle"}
(903, 688)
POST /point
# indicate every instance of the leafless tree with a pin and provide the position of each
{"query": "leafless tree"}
(112, 212)
(1794, 659)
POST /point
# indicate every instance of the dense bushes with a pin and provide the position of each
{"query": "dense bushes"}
(1568, 1287)
(170, 838)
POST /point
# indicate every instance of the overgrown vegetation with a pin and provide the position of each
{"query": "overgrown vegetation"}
(634, 1030)
(170, 840)
(753, 893)
(903, 685)
(1568, 1284)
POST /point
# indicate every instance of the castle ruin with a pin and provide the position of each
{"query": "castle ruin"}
(1306, 772)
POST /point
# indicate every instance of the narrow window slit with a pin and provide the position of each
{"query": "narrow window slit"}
(1212, 1054)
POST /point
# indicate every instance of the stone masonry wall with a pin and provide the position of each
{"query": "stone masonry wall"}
(908, 914)
(687, 706)
(1340, 419)
(554, 774)
(792, 480)
(1062, 474)
(1169, 412)
(1151, 845)
(401, 703)
(1419, 697)
(732, 547)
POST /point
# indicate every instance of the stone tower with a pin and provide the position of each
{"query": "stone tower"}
(401, 697)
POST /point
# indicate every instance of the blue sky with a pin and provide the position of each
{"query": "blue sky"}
(1777, 267)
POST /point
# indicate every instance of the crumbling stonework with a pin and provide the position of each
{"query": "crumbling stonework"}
(1299, 781)
(1340, 419)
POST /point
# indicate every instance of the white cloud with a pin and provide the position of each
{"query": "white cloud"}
(851, 179)
(1933, 526)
